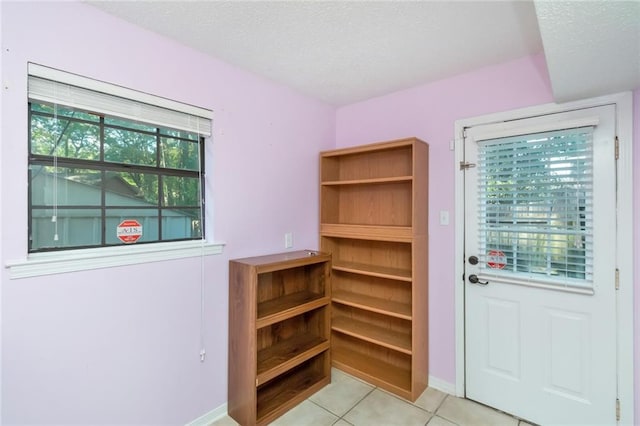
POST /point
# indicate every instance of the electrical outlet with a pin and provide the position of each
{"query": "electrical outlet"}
(288, 240)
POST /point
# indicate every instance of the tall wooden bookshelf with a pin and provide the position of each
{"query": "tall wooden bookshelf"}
(373, 221)
(278, 333)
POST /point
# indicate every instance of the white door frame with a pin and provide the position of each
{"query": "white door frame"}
(624, 237)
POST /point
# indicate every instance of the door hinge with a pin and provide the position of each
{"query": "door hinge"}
(464, 166)
(617, 148)
(617, 409)
(617, 279)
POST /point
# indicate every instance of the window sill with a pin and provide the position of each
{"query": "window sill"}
(38, 264)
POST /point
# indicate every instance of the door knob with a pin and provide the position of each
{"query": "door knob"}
(473, 260)
(473, 279)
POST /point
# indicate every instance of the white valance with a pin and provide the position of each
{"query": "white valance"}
(60, 87)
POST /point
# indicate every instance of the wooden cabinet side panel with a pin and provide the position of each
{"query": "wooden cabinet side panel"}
(420, 188)
(326, 325)
(242, 343)
(420, 359)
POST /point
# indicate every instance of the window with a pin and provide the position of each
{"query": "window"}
(104, 170)
(536, 195)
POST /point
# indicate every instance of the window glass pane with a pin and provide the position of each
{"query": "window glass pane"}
(64, 138)
(180, 191)
(131, 189)
(179, 154)
(129, 124)
(74, 228)
(147, 218)
(179, 224)
(536, 203)
(64, 186)
(62, 111)
(98, 194)
(129, 147)
(179, 134)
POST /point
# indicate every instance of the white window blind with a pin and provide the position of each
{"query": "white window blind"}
(59, 87)
(536, 199)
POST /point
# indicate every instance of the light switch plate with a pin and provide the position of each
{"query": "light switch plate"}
(444, 217)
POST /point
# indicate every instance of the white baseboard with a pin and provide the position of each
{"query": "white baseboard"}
(442, 385)
(210, 417)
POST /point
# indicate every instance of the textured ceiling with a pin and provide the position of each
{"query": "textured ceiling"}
(346, 51)
(592, 48)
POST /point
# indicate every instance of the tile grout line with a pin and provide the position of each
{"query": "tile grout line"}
(412, 404)
(442, 403)
(325, 409)
(356, 404)
(446, 395)
(406, 401)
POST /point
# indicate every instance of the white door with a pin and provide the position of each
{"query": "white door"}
(540, 302)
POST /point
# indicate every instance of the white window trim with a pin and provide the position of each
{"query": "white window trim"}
(49, 263)
(624, 249)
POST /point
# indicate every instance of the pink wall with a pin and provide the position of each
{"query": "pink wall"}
(121, 345)
(429, 112)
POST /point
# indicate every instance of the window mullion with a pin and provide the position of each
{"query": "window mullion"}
(159, 156)
(103, 189)
(202, 186)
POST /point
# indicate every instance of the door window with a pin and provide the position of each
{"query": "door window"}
(535, 197)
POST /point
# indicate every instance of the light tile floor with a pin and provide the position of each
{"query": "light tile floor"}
(350, 401)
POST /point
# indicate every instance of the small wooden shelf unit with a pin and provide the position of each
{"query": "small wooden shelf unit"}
(373, 221)
(279, 329)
